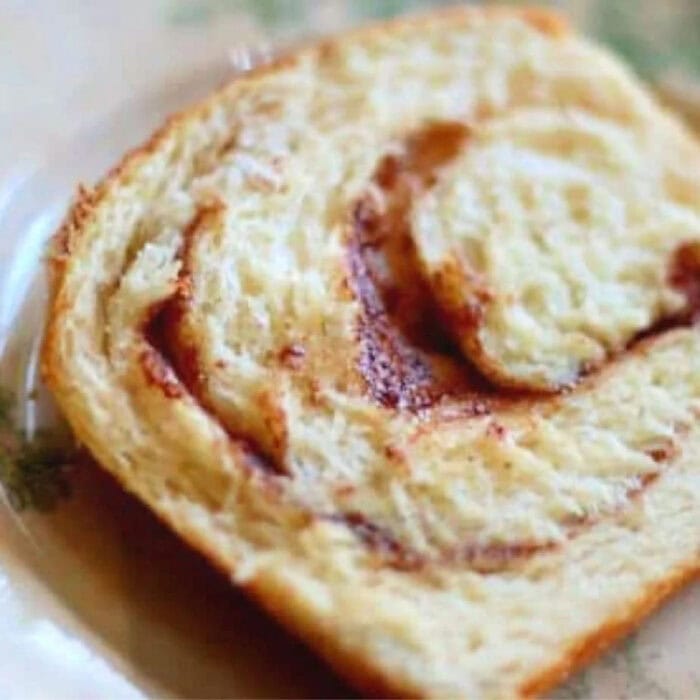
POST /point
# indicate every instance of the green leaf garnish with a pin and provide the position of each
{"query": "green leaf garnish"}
(33, 471)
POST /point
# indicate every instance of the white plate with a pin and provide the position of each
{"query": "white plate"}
(98, 600)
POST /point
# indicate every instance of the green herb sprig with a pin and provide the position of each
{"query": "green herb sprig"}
(33, 471)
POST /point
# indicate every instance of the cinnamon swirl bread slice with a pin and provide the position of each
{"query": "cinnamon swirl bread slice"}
(399, 332)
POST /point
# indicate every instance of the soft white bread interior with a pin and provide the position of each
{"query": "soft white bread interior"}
(399, 332)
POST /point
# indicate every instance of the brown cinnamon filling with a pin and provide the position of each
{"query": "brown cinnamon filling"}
(684, 275)
(171, 361)
(482, 557)
(407, 359)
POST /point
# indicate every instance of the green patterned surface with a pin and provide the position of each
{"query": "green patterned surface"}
(654, 35)
(33, 472)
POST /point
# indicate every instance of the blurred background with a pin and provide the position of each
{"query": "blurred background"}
(66, 64)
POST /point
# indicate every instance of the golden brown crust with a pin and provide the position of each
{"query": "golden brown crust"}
(593, 645)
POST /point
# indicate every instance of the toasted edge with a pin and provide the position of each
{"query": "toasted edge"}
(588, 647)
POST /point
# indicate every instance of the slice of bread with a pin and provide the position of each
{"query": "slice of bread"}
(398, 331)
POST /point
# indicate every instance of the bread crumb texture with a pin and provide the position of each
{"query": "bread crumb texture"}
(399, 332)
